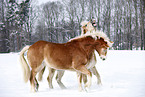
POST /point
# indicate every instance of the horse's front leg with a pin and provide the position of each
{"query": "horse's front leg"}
(89, 82)
(84, 70)
(79, 76)
(95, 72)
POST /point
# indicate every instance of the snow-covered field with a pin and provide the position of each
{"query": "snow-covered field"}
(122, 74)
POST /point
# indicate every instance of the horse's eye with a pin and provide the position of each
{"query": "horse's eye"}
(85, 25)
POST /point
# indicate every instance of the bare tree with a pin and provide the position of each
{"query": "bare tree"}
(122, 21)
(3, 32)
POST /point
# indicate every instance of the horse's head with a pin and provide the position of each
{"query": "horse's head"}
(101, 44)
(88, 26)
(102, 47)
(96, 41)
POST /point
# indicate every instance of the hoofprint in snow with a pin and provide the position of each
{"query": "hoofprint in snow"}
(122, 74)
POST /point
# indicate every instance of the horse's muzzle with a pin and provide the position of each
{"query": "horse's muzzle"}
(103, 57)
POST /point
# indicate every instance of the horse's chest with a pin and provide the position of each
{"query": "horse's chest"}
(92, 62)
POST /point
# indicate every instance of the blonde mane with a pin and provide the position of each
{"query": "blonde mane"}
(94, 35)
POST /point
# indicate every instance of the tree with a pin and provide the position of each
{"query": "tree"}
(122, 21)
(142, 29)
(3, 32)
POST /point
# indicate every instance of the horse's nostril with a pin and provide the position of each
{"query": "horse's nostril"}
(103, 59)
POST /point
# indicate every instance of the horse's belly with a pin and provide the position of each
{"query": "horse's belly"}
(58, 65)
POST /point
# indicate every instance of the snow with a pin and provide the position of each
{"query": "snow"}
(122, 74)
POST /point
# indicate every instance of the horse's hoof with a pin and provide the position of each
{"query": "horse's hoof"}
(50, 87)
(33, 90)
(63, 87)
(87, 85)
(99, 83)
(86, 89)
(80, 89)
(37, 86)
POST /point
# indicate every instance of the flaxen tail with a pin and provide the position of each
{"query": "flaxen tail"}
(24, 64)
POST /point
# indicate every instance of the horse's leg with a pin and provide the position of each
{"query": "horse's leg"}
(91, 62)
(37, 85)
(84, 77)
(95, 72)
(79, 75)
(50, 76)
(41, 73)
(33, 81)
(84, 70)
(59, 75)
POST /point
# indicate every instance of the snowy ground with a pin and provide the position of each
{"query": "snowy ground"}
(122, 74)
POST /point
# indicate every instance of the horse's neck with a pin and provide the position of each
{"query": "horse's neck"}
(87, 47)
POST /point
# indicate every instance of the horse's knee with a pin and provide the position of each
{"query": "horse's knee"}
(57, 78)
(51, 74)
(32, 77)
(84, 77)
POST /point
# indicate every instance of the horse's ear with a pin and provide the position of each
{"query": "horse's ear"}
(111, 43)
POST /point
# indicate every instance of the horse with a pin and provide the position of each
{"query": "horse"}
(87, 27)
(72, 55)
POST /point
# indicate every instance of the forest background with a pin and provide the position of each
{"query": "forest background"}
(25, 22)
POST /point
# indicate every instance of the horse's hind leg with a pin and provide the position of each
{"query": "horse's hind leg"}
(59, 75)
(41, 74)
(95, 72)
(50, 77)
(37, 85)
(33, 81)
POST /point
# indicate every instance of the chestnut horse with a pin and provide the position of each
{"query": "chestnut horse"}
(73, 55)
(87, 27)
